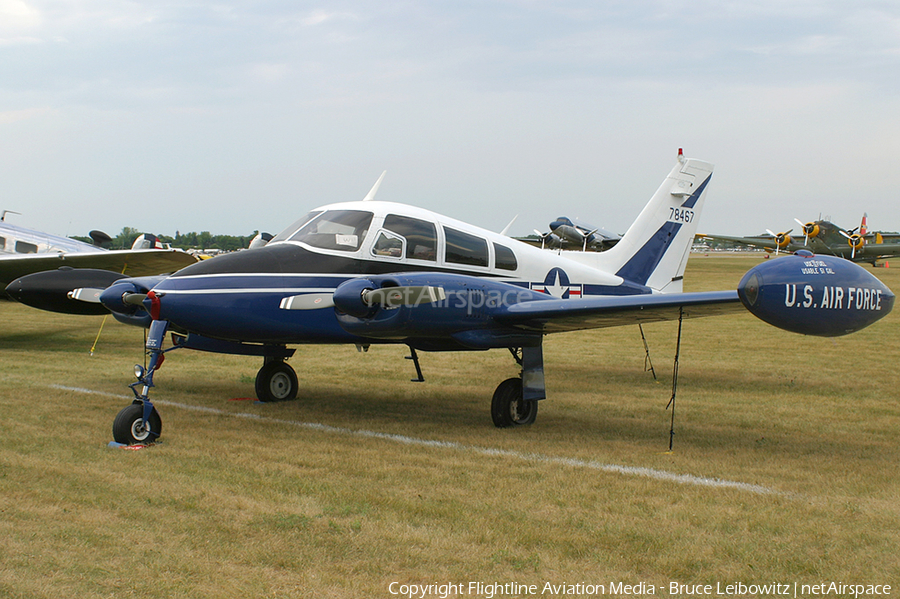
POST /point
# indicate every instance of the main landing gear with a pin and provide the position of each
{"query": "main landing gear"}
(276, 381)
(508, 408)
(515, 402)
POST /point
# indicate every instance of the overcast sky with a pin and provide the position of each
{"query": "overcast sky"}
(230, 116)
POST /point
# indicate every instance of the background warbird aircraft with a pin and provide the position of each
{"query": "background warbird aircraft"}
(377, 272)
(567, 233)
(824, 237)
(25, 251)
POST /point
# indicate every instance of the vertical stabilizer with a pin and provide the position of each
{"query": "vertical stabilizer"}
(655, 249)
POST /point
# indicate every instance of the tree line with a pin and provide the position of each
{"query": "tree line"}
(186, 241)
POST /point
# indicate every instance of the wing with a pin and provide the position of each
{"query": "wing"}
(135, 263)
(555, 316)
(753, 241)
(879, 250)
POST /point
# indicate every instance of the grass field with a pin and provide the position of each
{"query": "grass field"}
(786, 465)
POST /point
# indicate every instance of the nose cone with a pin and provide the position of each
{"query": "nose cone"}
(815, 295)
(113, 297)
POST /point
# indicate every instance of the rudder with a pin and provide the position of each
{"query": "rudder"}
(655, 249)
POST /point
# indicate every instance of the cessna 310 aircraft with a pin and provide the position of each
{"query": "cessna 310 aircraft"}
(371, 272)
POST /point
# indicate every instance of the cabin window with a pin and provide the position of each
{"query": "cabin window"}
(286, 234)
(342, 230)
(421, 236)
(2, 243)
(463, 248)
(23, 247)
(388, 244)
(504, 258)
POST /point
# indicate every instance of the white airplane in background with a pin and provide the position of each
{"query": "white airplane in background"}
(25, 251)
(371, 272)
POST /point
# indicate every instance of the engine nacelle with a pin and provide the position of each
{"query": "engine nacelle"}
(462, 314)
(815, 295)
(49, 290)
(811, 230)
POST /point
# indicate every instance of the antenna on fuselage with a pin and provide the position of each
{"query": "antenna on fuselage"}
(5, 212)
(506, 228)
(374, 190)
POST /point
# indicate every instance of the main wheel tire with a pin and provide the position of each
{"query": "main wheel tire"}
(129, 429)
(276, 381)
(509, 409)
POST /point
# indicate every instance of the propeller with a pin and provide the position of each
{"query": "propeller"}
(386, 297)
(588, 236)
(782, 240)
(543, 237)
(855, 240)
(810, 229)
(90, 295)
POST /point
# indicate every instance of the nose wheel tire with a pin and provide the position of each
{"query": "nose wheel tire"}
(129, 429)
(276, 381)
(509, 409)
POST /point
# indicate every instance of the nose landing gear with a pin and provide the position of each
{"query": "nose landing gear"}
(139, 423)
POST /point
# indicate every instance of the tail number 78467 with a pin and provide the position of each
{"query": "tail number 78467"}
(681, 215)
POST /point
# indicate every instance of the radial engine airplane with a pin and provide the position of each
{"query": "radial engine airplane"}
(24, 251)
(373, 272)
(825, 237)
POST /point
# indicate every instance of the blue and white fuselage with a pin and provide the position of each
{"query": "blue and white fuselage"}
(337, 242)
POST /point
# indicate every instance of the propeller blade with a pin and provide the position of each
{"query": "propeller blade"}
(134, 299)
(393, 297)
(90, 295)
(308, 301)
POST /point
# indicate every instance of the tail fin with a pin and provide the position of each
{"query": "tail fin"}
(862, 226)
(655, 249)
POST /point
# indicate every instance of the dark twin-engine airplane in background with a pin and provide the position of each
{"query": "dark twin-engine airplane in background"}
(568, 233)
(373, 272)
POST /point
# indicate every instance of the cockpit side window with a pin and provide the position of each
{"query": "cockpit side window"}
(463, 248)
(504, 258)
(286, 234)
(389, 245)
(421, 236)
(342, 230)
(23, 247)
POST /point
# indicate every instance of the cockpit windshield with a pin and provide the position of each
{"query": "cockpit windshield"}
(286, 234)
(342, 230)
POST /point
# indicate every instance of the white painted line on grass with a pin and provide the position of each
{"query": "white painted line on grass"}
(684, 479)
